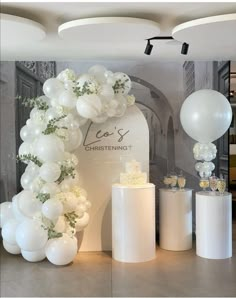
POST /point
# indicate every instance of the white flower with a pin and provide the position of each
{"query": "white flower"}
(130, 100)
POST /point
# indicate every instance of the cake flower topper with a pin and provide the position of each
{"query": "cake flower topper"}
(133, 174)
(42, 220)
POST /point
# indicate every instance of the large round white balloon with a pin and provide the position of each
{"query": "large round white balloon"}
(50, 171)
(61, 251)
(67, 99)
(28, 204)
(53, 88)
(34, 256)
(25, 148)
(12, 249)
(89, 106)
(52, 208)
(9, 231)
(25, 134)
(206, 115)
(30, 235)
(6, 212)
(26, 180)
(49, 148)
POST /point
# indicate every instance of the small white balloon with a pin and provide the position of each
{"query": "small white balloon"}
(52, 88)
(15, 208)
(98, 71)
(67, 99)
(52, 209)
(82, 222)
(25, 134)
(61, 251)
(50, 188)
(34, 256)
(124, 83)
(26, 180)
(9, 231)
(89, 106)
(25, 148)
(30, 235)
(12, 249)
(50, 171)
(60, 225)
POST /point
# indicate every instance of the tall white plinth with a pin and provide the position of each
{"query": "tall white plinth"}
(214, 225)
(175, 219)
(133, 223)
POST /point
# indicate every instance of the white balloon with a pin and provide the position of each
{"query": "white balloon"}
(25, 148)
(107, 91)
(50, 171)
(100, 119)
(70, 203)
(82, 222)
(125, 81)
(26, 180)
(54, 112)
(28, 205)
(15, 208)
(52, 208)
(37, 116)
(67, 99)
(122, 105)
(88, 81)
(75, 138)
(6, 212)
(206, 115)
(31, 236)
(49, 148)
(98, 71)
(52, 88)
(66, 75)
(25, 134)
(12, 249)
(81, 208)
(32, 169)
(34, 256)
(61, 251)
(50, 188)
(89, 106)
(36, 184)
(60, 225)
(9, 231)
(198, 166)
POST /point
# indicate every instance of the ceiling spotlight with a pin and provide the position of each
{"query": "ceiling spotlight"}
(184, 50)
(148, 48)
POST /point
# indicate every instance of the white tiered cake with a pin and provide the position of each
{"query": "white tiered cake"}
(133, 174)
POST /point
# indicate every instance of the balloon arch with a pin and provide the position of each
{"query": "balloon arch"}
(42, 220)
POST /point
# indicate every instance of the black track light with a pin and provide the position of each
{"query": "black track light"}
(148, 48)
(184, 50)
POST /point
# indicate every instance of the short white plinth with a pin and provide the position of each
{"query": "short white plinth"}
(175, 219)
(214, 225)
(133, 223)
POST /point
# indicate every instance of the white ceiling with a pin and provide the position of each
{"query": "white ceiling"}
(168, 15)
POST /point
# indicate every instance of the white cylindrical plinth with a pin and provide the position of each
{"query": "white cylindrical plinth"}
(175, 219)
(214, 225)
(133, 223)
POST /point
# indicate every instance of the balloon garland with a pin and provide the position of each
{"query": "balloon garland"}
(205, 116)
(42, 220)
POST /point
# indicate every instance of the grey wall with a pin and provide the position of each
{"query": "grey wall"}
(7, 131)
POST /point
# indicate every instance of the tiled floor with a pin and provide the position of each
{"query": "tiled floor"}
(96, 274)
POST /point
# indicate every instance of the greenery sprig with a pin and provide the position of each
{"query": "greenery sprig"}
(65, 172)
(86, 89)
(71, 218)
(33, 102)
(29, 157)
(49, 227)
(52, 126)
(43, 197)
(119, 85)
